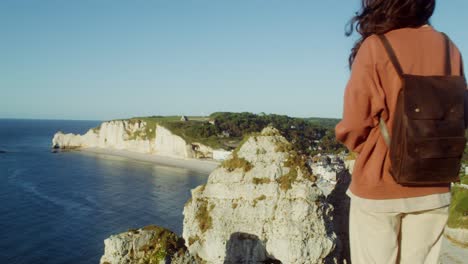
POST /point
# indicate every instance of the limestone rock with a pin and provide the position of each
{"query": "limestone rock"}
(327, 169)
(123, 135)
(151, 244)
(172, 145)
(136, 136)
(262, 204)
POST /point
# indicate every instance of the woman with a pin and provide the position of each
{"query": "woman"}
(389, 222)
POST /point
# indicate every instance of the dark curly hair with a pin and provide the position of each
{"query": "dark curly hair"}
(381, 16)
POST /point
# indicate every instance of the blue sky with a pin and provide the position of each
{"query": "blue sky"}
(109, 59)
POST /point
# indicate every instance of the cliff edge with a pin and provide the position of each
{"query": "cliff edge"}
(263, 205)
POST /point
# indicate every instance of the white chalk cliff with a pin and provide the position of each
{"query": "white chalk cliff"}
(136, 136)
(261, 205)
(264, 204)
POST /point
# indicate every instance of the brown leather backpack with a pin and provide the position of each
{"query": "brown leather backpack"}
(428, 133)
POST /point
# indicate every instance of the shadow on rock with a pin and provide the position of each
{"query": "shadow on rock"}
(243, 248)
(339, 220)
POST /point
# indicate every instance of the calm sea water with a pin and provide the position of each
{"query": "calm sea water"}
(59, 208)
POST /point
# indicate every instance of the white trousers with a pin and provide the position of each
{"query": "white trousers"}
(396, 238)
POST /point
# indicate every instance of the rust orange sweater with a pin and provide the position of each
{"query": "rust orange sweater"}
(372, 92)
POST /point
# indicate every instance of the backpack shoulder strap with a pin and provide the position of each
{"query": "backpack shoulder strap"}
(391, 55)
(462, 71)
(448, 64)
(396, 64)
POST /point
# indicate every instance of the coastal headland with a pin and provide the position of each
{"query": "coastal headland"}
(275, 193)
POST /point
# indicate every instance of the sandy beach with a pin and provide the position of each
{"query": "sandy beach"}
(205, 166)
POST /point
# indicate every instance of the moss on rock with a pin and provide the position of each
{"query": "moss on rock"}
(203, 216)
(257, 181)
(237, 162)
(260, 198)
(163, 243)
(296, 162)
(192, 240)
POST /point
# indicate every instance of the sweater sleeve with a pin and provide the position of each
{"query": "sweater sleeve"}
(363, 100)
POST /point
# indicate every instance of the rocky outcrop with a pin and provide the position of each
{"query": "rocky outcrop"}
(137, 136)
(262, 204)
(150, 245)
(265, 204)
(126, 135)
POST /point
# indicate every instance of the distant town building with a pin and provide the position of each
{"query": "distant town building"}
(184, 119)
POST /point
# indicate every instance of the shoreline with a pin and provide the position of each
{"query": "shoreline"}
(204, 166)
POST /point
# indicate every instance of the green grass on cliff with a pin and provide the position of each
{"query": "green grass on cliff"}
(228, 128)
(458, 212)
(196, 129)
(203, 216)
(202, 132)
(162, 243)
(236, 162)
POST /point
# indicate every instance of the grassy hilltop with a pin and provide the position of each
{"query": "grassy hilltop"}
(226, 129)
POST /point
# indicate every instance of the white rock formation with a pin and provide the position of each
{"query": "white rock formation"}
(171, 145)
(61, 140)
(150, 244)
(262, 209)
(327, 169)
(203, 152)
(221, 154)
(113, 134)
(134, 135)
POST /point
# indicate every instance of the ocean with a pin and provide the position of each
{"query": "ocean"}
(59, 207)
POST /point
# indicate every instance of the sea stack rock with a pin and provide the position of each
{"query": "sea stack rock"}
(262, 205)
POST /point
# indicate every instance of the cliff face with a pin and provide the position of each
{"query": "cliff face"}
(265, 204)
(171, 145)
(261, 204)
(136, 136)
(126, 135)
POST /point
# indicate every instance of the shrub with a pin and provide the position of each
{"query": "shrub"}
(162, 243)
(458, 211)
